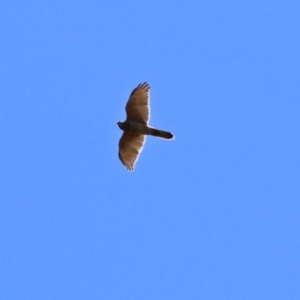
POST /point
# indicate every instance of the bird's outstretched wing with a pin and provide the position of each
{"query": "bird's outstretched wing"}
(137, 107)
(130, 147)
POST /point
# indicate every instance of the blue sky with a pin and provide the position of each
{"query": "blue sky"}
(213, 214)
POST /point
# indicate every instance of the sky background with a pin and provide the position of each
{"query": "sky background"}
(213, 214)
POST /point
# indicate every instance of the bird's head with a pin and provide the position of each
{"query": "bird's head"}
(120, 124)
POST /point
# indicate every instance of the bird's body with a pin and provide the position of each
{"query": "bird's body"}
(133, 127)
(136, 127)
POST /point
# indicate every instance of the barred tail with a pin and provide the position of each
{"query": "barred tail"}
(161, 133)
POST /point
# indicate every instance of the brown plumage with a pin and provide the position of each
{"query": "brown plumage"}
(136, 126)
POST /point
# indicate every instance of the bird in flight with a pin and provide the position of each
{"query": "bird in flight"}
(136, 127)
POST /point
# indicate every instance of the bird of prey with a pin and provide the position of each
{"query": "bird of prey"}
(136, 127)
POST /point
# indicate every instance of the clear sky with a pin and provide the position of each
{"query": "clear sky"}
(213, 214)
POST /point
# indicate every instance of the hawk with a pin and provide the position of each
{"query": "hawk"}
(136, 127)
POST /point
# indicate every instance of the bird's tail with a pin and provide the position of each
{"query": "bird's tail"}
(161, 133)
